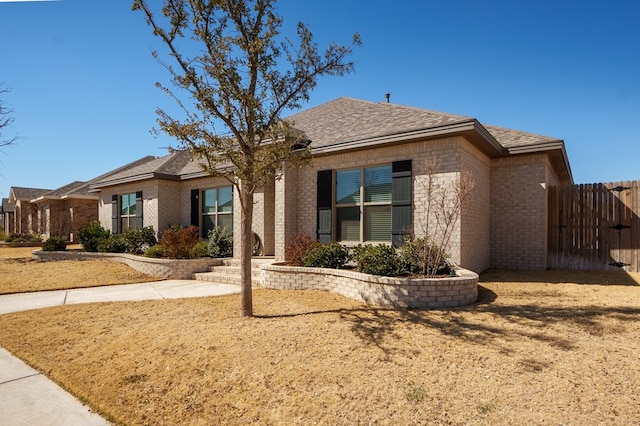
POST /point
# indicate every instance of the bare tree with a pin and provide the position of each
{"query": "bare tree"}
(6, 119)
(240, 75)
(445, 201)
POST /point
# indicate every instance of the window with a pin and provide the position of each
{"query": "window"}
(217, 209)
(363, 204)
(126, 212)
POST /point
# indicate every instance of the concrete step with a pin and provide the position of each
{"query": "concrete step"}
(224, 278)
(229, 272)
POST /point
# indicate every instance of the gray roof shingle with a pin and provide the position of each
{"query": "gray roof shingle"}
(28, 194)
(348, 120)
(341, 121)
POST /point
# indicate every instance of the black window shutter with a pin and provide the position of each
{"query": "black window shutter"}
(114, 214)
(401, 201)
(323, 202)
(139, 210)
(195, 207)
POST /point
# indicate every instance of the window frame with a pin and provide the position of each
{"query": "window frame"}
(133, 215)
(363, 205)
(217, 211)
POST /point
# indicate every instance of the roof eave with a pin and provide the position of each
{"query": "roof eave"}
(472, 130)
(557, 153)
(95, 187)
(79, 197)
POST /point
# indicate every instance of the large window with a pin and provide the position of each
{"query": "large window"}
(217, 209)
(363, 204)
(126, 212)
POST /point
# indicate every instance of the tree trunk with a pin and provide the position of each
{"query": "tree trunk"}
(246, 250)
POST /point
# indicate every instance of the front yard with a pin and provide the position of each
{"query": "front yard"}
(538, 348)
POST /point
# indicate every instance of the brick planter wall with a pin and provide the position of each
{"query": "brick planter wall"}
(173, 269)
(386, 291)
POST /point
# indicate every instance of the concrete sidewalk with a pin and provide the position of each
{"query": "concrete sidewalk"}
(170, 289)
(27, 397)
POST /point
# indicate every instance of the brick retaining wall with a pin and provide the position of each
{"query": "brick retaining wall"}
(173, 269)
(386, 291)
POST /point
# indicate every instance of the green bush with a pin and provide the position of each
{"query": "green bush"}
(139, 240)
(331, 255)
(55, 244)
(113, 244)
(424, 257)
(178, 241)
(92, 235)
(155, 251)
(201, 249)
(220, 242)
(378, 260)
(300, 245)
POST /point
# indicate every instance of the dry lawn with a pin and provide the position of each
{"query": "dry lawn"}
(19, 273)
(552, 348)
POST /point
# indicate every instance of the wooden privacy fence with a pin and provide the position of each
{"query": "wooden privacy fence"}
(595, 227)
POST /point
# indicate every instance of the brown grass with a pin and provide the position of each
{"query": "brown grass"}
(539, 348)
(21, 274)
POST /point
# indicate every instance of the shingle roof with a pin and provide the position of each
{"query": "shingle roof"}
(7, 207)
(171, 167)
(355, 123)
(348, 120)
(27, 194)
(510, 138)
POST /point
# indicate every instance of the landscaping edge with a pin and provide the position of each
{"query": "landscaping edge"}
(171, 269)
(397, 292)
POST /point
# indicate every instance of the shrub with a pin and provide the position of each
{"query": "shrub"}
(155, 251)
(113, 244)
(331, 255)
(424, 257)
(220, 242)
(300, 245)
(201, 249)
(378, 260)
(23, 238)
(178, 241)
(92, 235)
(55, 244)
(138, 240)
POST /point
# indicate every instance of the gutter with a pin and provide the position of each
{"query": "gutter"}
(464, 128)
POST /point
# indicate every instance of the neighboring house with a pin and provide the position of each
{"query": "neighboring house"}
(8, 210)
(365, 183)
(63, 211)
(25, 217)
(60, 212)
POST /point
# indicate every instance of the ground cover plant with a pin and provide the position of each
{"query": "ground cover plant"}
(550, 347)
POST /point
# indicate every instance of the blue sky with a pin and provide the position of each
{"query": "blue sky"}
(82, 78)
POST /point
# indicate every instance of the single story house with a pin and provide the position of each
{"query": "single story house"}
(54, 212)
(365, 183)
(24, 219)
(60, 212)
(7, 211)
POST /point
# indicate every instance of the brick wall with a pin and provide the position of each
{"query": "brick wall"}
(475, 220)
(449, 155)
(384, 291)
(82, 212)
(519, 212)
